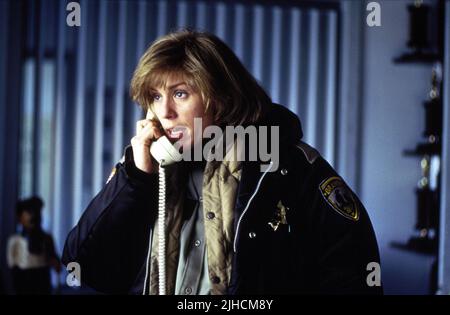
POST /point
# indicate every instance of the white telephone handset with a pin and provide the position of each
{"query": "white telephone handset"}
(162, 150)
(165, 154)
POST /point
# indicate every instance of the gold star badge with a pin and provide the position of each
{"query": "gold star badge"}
(280, 216)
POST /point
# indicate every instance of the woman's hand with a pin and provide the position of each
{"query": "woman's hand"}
(147, 131)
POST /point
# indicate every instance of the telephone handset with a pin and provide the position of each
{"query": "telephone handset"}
(162, 149)
(164, 152)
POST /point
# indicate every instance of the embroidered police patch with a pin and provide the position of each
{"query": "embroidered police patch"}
(339, 196)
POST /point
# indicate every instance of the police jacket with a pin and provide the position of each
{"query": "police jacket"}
(299, 229)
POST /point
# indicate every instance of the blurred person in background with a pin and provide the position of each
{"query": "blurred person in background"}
(31, 252)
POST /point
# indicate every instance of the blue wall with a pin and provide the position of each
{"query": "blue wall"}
(393, 121)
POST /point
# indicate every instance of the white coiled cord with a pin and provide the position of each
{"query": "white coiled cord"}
(161, 230)
(161, 237)
(165, 153)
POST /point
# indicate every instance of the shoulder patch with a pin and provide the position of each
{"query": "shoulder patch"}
(339, 196)
(310, 153)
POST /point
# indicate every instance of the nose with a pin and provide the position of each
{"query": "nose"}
(167, 109)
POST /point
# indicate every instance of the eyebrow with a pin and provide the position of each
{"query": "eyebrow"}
(176, 84)
(172, 86)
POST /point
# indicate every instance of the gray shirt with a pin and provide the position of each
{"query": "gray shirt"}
(192, 271)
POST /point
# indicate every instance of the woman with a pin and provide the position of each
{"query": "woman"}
(231, 229)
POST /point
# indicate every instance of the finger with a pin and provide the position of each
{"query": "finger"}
(149, 133)
(157, 131)
(153, 131)
(140, 124)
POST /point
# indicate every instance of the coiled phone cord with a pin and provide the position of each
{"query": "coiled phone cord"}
(161, 237)
(161, 230)
(165, 153)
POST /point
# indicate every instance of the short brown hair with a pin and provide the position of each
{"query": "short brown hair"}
(210, 67)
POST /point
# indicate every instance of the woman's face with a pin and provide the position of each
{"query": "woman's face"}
(29, 219)
(176, 105)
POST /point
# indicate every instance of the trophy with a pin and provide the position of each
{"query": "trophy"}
(425, 238)
(425, 49)
(420, 48)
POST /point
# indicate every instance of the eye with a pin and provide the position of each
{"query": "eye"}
(156, 97)
(181, 94)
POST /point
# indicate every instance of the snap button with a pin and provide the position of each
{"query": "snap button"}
(215, 279)
(284, 171)
(252, 234)
(197, 243)
(188, 290)
(200, 198)
(210, 215)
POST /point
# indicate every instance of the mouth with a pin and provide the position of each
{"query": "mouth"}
(176, 132)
